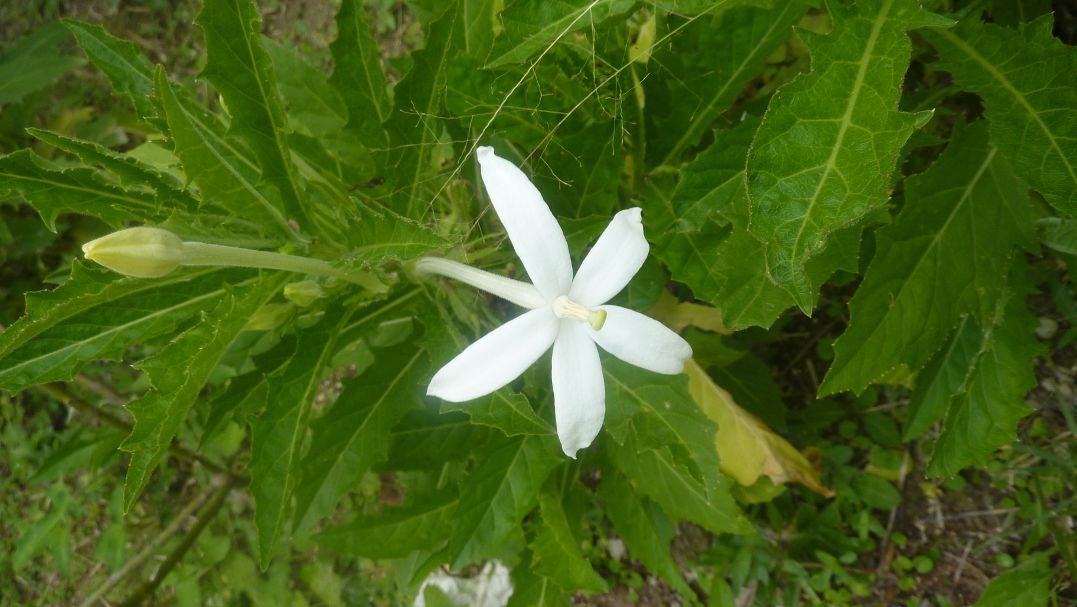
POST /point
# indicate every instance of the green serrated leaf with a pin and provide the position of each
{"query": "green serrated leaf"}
(1058, 234)
(665, 445)
(131, 173)
(178, 373)
(1026, 80)
(531, 26)
(358, 76)
(313, 107)
(984, 411)
(353, 435)
(529, 589)
(277, 434)
(659, 475)
(396, 533)
(823, 157)
(556, 551)
(96, 315)
(122, 61)
(584, 173)
(240, 69)
(643, 538)
(693, 81)
(961, 218)
(378, 234)
(503, 487)
(509, 412)
(425, 439)
(727, 267)
(414, 129)
(943, 377)
(52, 192)
(661, 412)
(684, 218)
(224, 175)
(34, 63)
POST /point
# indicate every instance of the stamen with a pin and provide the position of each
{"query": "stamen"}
(563, 307)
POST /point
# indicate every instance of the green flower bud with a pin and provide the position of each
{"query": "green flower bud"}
(269, 317)
(140, 252)
(303, 293)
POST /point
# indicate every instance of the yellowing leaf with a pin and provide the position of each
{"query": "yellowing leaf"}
(677, 315)
(747, 447)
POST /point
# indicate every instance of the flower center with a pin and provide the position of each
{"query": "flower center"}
(563, 307)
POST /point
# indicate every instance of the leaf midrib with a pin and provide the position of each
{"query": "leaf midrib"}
(1017, 94)
(966, 195)
(846, 120)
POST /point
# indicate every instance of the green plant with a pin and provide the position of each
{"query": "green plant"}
(868, 190)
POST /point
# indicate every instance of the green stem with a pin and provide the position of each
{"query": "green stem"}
(205, 254)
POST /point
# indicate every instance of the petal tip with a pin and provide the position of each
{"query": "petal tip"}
(484, 152)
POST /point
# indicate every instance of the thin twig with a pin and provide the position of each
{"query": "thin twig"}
(61, 394)
(146, 552)
(146, 590)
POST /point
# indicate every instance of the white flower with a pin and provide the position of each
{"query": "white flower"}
(565, 312)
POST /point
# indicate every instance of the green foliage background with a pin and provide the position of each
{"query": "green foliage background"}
(884, 188)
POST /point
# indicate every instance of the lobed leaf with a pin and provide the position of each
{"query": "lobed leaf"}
(534, 25)
(414, 128)
(1025, 77)
(984, 410)
(396, 533)
(378, 234)
(530, 589)
(509, 412)
(556, 552)
(422, 440)
(277, 434)
(312, 106)
(240, 69)
(961, 218)
(97, 315)
(353, 435)
(502, 488)
(34, 63)
(121, 61)
(747, 447)
(52, 192)
(657, 474)
(822, 159)
(223, 173)
(692, 81)
(635, 523)
(179, 371)
(358, 76)
(131, 173)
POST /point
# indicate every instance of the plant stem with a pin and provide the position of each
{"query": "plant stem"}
(146, 590)
(205, 254)
(61, 394)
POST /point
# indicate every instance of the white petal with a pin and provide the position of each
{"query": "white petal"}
(496, 359)
(535, 234)
(613, 261)
(579, 395)
(641, 341)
